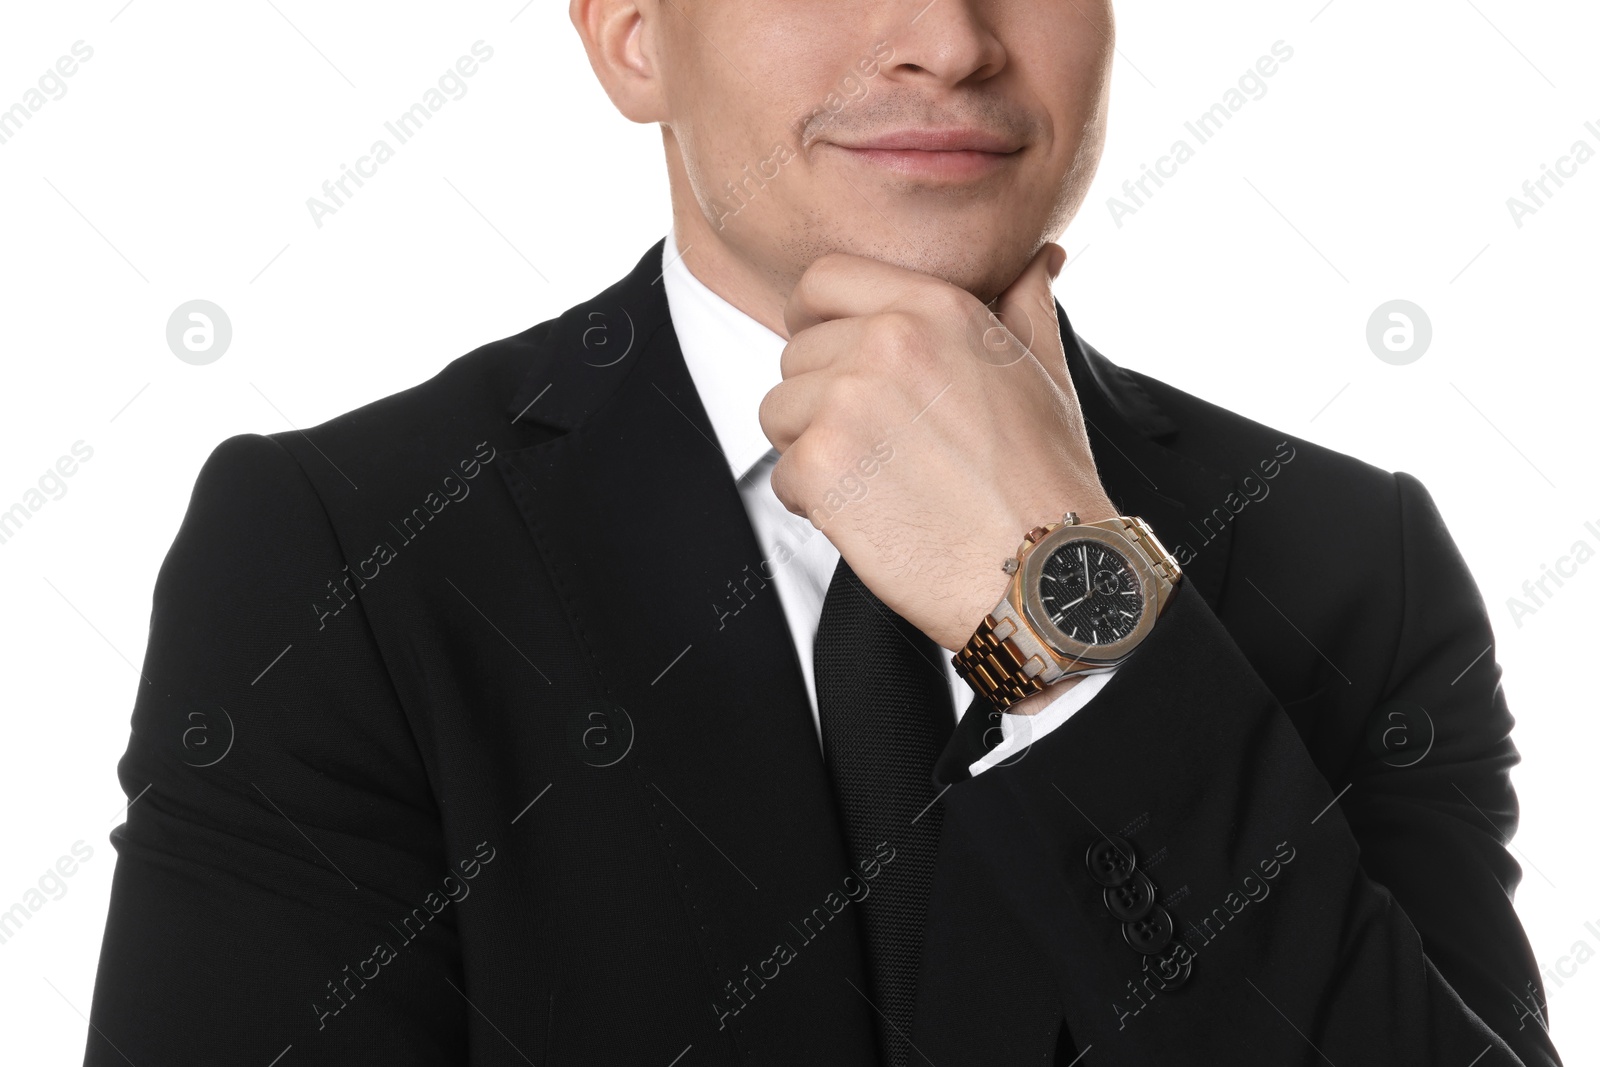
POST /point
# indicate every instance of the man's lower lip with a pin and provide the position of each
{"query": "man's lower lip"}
(961, 165)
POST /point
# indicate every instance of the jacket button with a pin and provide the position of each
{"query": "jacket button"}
(1132, 900)
(1150, 934)
(1110, 861)
(1170, 969)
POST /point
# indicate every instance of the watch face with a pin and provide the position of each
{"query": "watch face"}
(1090, 592)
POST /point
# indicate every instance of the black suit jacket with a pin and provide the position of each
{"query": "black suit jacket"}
(472, 731)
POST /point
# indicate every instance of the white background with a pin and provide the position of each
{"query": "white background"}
(178, 163)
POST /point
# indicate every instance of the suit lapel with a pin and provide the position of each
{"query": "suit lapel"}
(1172, 492)
(636, 516)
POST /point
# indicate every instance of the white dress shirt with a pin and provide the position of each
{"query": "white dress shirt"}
(734, 361)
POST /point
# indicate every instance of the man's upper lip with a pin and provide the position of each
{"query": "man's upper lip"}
(935, 139)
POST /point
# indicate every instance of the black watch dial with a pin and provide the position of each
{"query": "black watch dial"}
(1091, 592)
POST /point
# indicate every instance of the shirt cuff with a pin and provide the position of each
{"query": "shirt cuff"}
(1020, 731)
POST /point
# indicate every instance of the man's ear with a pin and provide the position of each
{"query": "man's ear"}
(622, 38)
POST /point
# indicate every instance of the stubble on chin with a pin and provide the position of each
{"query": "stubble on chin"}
(948, 256)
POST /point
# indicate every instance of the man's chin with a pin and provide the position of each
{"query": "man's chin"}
(983, 271)
(983, 277)
(966, 255)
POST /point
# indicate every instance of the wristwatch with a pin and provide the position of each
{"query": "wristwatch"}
(1082, 597)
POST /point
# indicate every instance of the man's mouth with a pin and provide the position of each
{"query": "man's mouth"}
(952, 154)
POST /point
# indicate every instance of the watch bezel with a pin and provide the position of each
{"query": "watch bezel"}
(1039, 619)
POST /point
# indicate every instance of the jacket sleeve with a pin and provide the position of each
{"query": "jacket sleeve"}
(1363, 920)
(281, 830)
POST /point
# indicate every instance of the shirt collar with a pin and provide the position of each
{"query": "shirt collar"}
(733, 359)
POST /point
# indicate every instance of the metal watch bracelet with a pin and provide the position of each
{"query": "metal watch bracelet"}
(1005, 661)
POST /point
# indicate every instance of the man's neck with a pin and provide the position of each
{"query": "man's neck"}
(719, 269)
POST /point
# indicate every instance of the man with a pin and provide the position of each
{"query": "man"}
(590, 702)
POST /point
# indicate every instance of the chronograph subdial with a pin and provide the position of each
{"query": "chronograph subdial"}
(1090, 592)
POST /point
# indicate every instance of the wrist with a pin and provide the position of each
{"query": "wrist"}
(991, 585)
(1034, 703)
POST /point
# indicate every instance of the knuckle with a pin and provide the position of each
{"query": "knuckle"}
(767, 412)
(828, 446)
(816, 274)
(899, 339)
(850, 399)
(804, 286)
(789, 358)
(949, 301)
(794, 473)
(783, 478)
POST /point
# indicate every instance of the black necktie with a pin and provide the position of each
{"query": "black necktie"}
(884, 702)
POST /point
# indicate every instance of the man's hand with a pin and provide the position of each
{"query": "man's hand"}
(923, 437)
